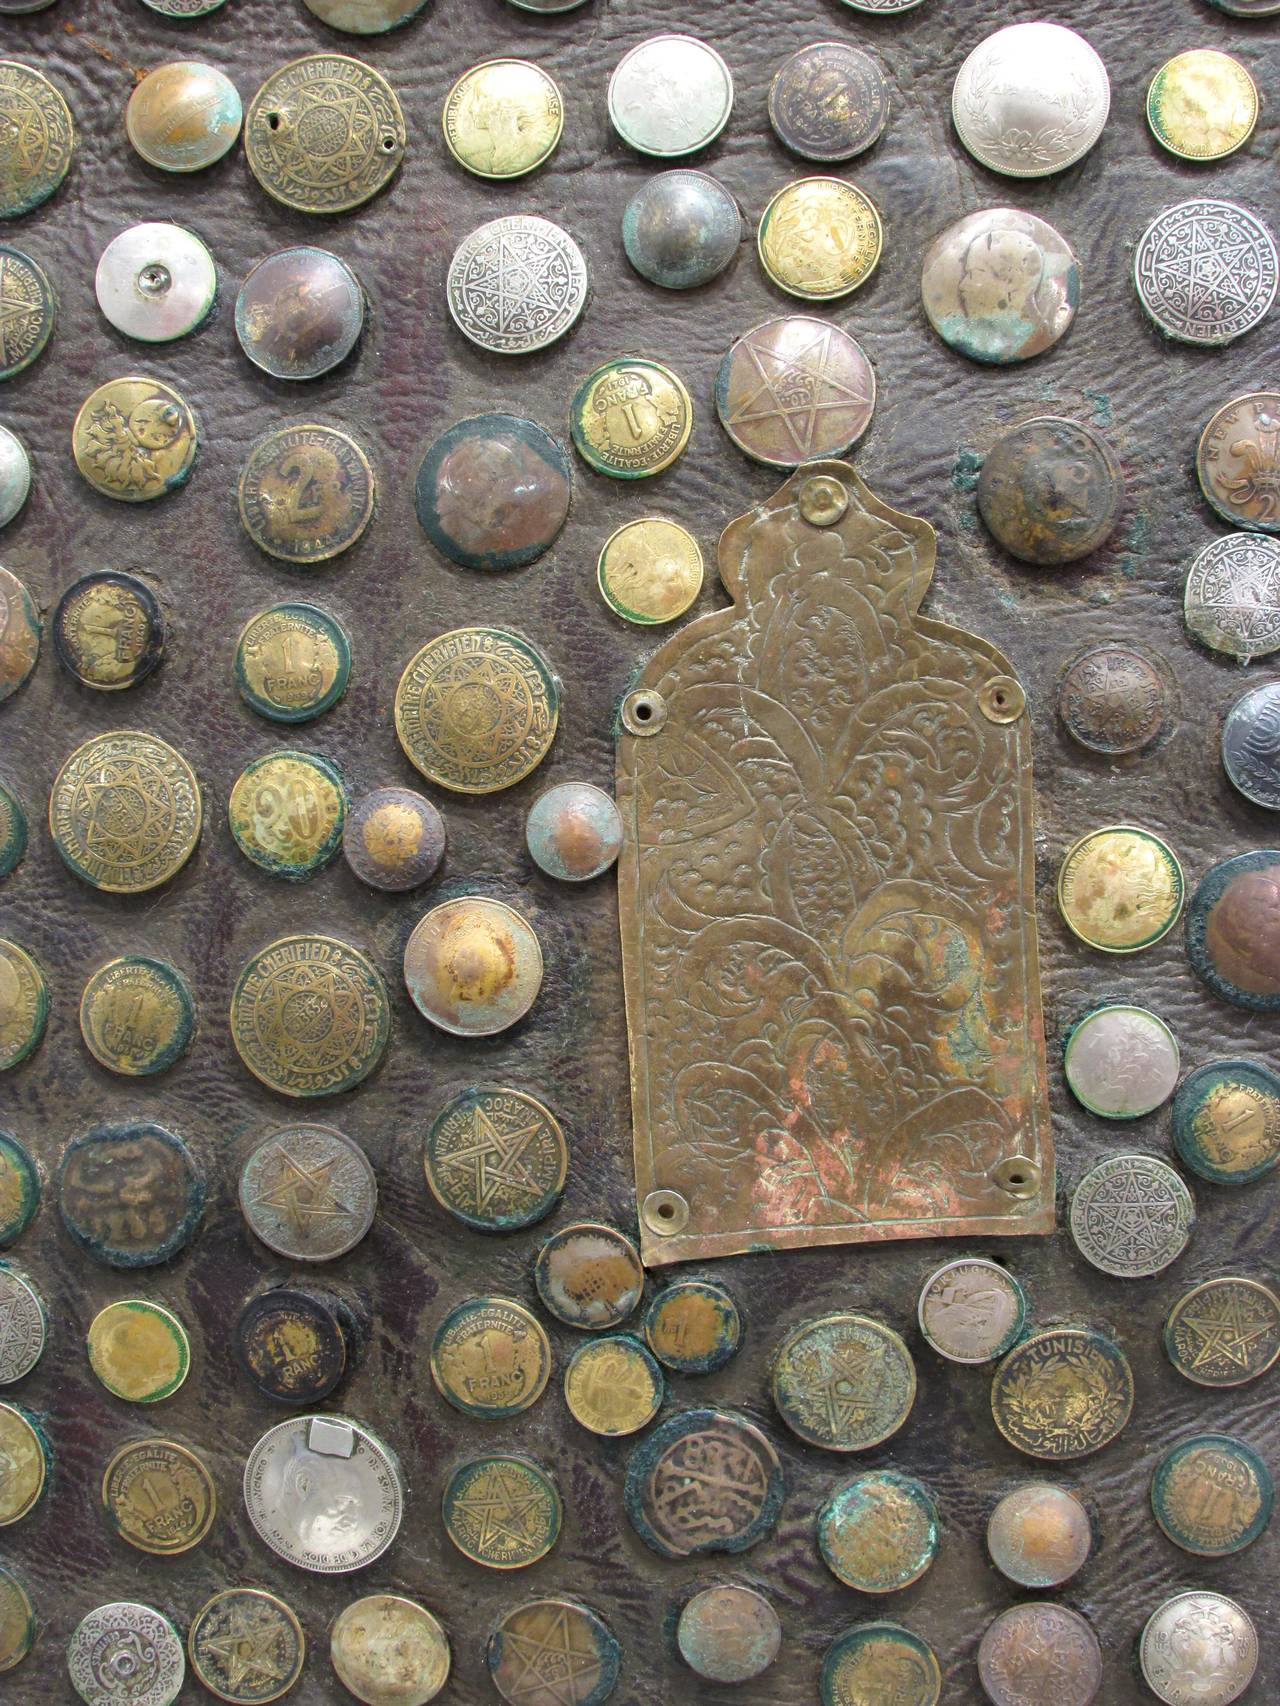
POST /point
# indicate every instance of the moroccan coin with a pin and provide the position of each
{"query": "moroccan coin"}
(516, 284)
(1238, 461)
(493, 491)
(40, 138)
(310, 1015)
(15, 485)
(1050, 491)
(681, 229)
(612, 1386)
(27, 303)
(13, 832)
(550, 1651)
(503, 118)
(1121, 1062)
(819, 238)
(670, 95)
(23, 1325)
(1063, 1392)
(1131, 1216)
(728, 1633)
(246, 1646)
(19, 1188)
(26, 1464)
(24, 1004)
(502, 1512)
(309, 1193)
(324, 134)
(1251, 745)
(879, 1532)
(389, 1651)
(473, 966)
(20, 8)
(125, 1654)
(1039, 1536)
(183, 8)
(1120, 889)
(17, 1621)
(324, 1493)
(1224, 1333)
(137, 1016)
(393, 839)
(134, 440)
(130, 1195)
(476, 709)
(1040, 1654)
(1114, 698)
(364, 17)
(1232, 597)
(159, 1496)
(589, 1275)
(868, 1661)
(490, 1357)
(156, 282)
(793, 389)
(650, 570)
(183, 116)
(108, 631)
(293, 1344)
(1226, 1121)
(19, 634)
(1206, 271)
(1198, 1649)
(703, 1481)
(139, 1350)
(693, 1327)
(829, 101)
(1202, 105)
(573, 832)
(571, 5)
(306, 492)
(293, 662)
(299, 313)
(287, 811)
(1000, 285)
(1031, 99)
(1212, 1495)
(496, 1159)
(971, 1310)
(631, 418)
(844, 1382)
(1233, 930)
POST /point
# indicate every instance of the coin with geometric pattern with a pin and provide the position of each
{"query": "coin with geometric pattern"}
(1232, 597)
(553, 1652)
(795, 388)
(39, 138)
(516, 284)
(1224, 1332)
(126, 1653)
(22, 1326)
(496, 1159)
(324, 134)
(309, 1193)
(844, 1382)
(246, 1646)
(503, 1512)
(1131, 1216)
(125, 811)
(310, 1015)
(1206, 271)
(26, 311)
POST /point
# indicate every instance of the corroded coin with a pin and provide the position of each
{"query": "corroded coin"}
(1039, 1535)
(573, 832)
(631, 418)
(310, 1015)
(246, 1646)
(13, 832)
(324, 134)
(1238, 461)
(134, 439)
(1120, 889)
(1226, 1121)
(306, 492)
(971, 1310)
(1114, 698)
(1206, 271)
(820, 238)
(1121, 1062)
(183, 116)
(364, 17)
(22, 1325)
(156, 282)
(15, 486)
(39, 138)
(670, 95)
(139, 1350)
(650, 570)
(502, 1512)
(1031, 99)
(728, 1633)
(1198, 1649)
(1225, 1332)
(795, 388)
(27, 306)
(393, 839)
(324, 1493)
(879, 1532)
(1000, 285)
(516, 284)
(1131, 1216)
(503, 118)
(26, 1464)
(476, 709)
(19, 634)
(24, 1004)
(130, 1195)
(1040, 1654)
(589, 1275)
(287, 811)
(1251, 745)
(1212, 1495)
(490, 1357)
(828, 101)
(703, 1481)
(493, 491)
(1232, 598)
(125, 811)
(1063, 1392)
(612, 1386)
(880, 1661)
(553, 1652)
(389, 1651)
(309, 1193)
(681, 229)
(1050, 491)
(1202, 104)
(293, 662)
(496, 1159)
(294, 1344)
(843, 1382)
(473, 966)
(299, 313)
(19, 1188)
(693, 1327)
(17, 1621)
(108, 631)
(125, 1654)
(1233, 930)
(159, 1496)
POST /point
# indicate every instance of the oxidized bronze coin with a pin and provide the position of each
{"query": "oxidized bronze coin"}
(27, 306)
(24, 1004)
(877, 1662)
(125, 811)
(246, 1646)
(1198, 1648)
(820, 238)
(306, 492)
(293, 1344)
(589, 1275)
(130, 1195)
(1114, 698)
(134, 439)
(299, 313)
(26, 1464)
(612, 1386)
(829, 101)
(1212, 1495)
(17, 1622)
(1226, 1121)
(159, 1496)
(1039, 1536)
(631, 418)
(728, 1633)
(324, 134)
(1000, 285)
(574, 832)
(1238, 461)
(879, 1532)
(681, 229)
(389, 1651)
(490, 1357)
(39, 138)
(286, 812)
(108, 631)
(310, 1015)
(844, 1382)
(139, 1350)
(473, 966)
(493, 491)
(496, 1159)
(1202, 105)
(19, 634)
(1224, 1333)
(183, 116)
(650, 570)
(1233, 930)
(1120, 889)
(502, 1512)
(393, 839)
(553, 1652)
(19, 1188)
(503, 118)
(693, 1327)
(309, 1193)
(137, 1016)
(13, 832)
(793, 389)
(971, 1310)
(1040, 1654)
(1063, 1392)
(1050, 491)
(293, 662)
(703, 1481)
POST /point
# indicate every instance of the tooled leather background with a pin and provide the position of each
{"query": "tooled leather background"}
(411, 377)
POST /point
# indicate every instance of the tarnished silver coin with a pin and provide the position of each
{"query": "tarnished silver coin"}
(1040, 1654)
(1121, 1062)
(516, 284)
(156, 282)
(125, 1654)
(1206, 271)
(15, 475)
(1251, 745)
(309, 1193)
(971, 1310)
(1031, 99)
(670, 95)
(829, 101)
(1198, 1649)
(324, 1493)
(681, 229)
(882, 7)
(1232, 597)
(22, 1326)
(1131, 1216)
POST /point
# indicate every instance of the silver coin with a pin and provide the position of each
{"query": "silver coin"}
(1251, 745)
(1131, 1216)
(1030, 100)
(1121, 1062)
(681, 229)
(22, 1326)
(125, 1654)
(15, 475)
(156, 282)
(1206, 271)
(971, 1310)
(324, 1493)
(1000, 285)
(516, 284)
(1232, 597)
(309, 1193)
(883, 7)
(1198, 1649)
(670, 95)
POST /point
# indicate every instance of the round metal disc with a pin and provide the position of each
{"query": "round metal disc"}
(1000, 285)
(516, 284)
(1206, 271)
(156, 282)
(324, 1493)
(1131, 1216)
(1031, 99)
(670, 95)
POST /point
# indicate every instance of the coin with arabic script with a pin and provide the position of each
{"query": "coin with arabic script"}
(1131, 1216)
(324, 134)
(246, 1646)
(39, 138)
(516, 284)
(1206, 271)
(310, 1015)
(1063, 1392)
(1231, 602)
(308, 1192)
(1224, 1332)
(844, 1382)
(703, 1481)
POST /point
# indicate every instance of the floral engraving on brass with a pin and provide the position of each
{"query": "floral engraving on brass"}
(827, 904)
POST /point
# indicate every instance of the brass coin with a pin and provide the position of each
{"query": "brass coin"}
(286, 812)
(125, 811)
(1039, 1536)
(293, 662)
(551, 1652)
(310, 1015)
(879, 1532)
(24, 1464)
(650, 570)
(246, 1646)
(183, 116)
(306, 493)
(693, 1327)
(24, 1004)
(1050, 491)
(502, 1512)
(324, 134)
(877, 1662)
(137, 1016)
(1202, 105)
(1224, 1332)
(473, 966)
(130, 1195)
(496, 1159)
(134, 439)
(13, 832)
(703, 1481)
(1212, 1495)
(820, 238)
(293, 1344)
(139, 1350)
(1064, 1392)
(612, 1386)
(19, 634)
(1120, 889)
(503, 118)
(17, 1622)
(108, 631)
(27, 310)
(389, 1651)
(631, 418)
(490, 1357)
(40, 138)
(589, 1275)
(1238, 461)
(476, 709)
(19, 1188)
(159, 1496)
(844, 1382)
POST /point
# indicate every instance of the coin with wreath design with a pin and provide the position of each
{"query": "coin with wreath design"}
(1062, 1393)
(1031, 99)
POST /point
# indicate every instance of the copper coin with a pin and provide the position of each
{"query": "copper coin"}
(1050, 491)
(703, 1481)
(1039, 1535)
(299, 313)
(1233, 930)
(293, 1344)
(19, 634)
(393, 839)
(183, 116)
(1238, 461)
(574, 832)
(728, 1633)
(1114, 698)
(1039, 1654)
(130, 1195)
(553, 1652)
(493, 491)
(473, 966)
(829, 101)
(793, 389)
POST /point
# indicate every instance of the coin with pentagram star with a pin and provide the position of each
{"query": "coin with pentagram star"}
(310, 1015)
(38, 135)
(246, 1646)
(502, 1512)
(309, 1193)
(1131, 1216)
(553, 1652)
(22, 1325)
(795, 388)
(1225, 1332)
(516, 284)
(324, 134)
(1232, 598)
(125, 811)
(496, 1159)
(27, 309)
(844, 1382)
(1206, 271)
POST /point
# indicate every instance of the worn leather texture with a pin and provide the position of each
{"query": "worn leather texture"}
(412, 376)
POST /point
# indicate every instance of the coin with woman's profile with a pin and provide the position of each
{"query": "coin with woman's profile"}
(503, 118)
(820, 238)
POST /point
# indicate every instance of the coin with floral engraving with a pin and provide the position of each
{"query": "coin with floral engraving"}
(879, 1532)
(496, 1159)
(125, 811)
(503, 1512)
(1232, 598)
(324, 134)
(108, 631)
(1131, 1216)
(550, 1651)
(1226, 1121)
(704, 1481)
(793, 389)
(490, 1356)
(873, 1662)
(126, 1654)
(971, 1310)
(134, 439)
(1115, 698)
(159, 1496)
(844, 1382)
(1120, 889)
(1198, 1649)
(286, 812)
(1224, 1332)
(306, 492)
(820, 238)
(389, 1651)
(27, 308)
(1238, 461)
(39, 138)
(24, 1004)
(310, 1015)
(1063, 1392)
(613, 1386)
(1206, 271)
(1202, 104)
(17, 1621)
(828, 101)
(1212, 1495)
(1040, 1654)
(308, 1192)
(1031, 99)
(22, 1325)
(516, 284)
(246, 1646)
(19, 634)
(137, 1015)
(1121, 1062)
(670, 95)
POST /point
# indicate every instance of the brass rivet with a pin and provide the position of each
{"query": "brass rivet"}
(665, 1212)
(1002, 699)
(1018, 1175)
(644, 713)
(822, 500)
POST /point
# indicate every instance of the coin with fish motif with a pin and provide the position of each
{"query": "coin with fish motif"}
(137, 1016)
(828, 101)
(1226, 1121)
(1251, 745)
(324, 1493)
(130, 1195)
(1233, 930)
(39, 135)
(1206, 271)
(1231, 602)
(693, 1327)
(1000, 285)
(1040, 1654)
(820, 238)
(134, 440)
(1238, 461)
(1212, 1495)
(1202, 104)
(503, 118)
(22, 1325)
(490, 1357)
(1063, 1392)
(393, 839)
(473, 966)
(389, 1651)
(28, 306)
(1030, 100)
(516, 284)
(24, 1004)
(19, 1188)
(793, 389)
(293, 662)
(1198, 1649)
(1039, 1536)
(493, 491)
(286, 812)
(324, 134)
(19, 634)
(844, 1382)
(1121, 1062)
(503, 1512)
(589, 1275)
(306, 492)
(299, 313)
(26, 1463)
(159, 1496)
(139, 1350)
(17, 1621)
(703, 1481)
(879, 1532)
(246, 1646)
(310, 1015)
(108, 631)
(880, 1661)
(126, 1654)
(183, 116)
(971, 1310)
(670, 95)
(728, 1633)
(496, 1159)
(309, 1193)
(612, 1386)
(1131, 1216)
(1224, 1332)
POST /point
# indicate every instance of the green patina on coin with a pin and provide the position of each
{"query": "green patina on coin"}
(844, 1382)
(24, 1004)
(1212, 1495)
(310, 1015)
(879, 1532)
(1233, 928)
(496, 1159)
(879, 1662)
(137, 1016)
(13, 832)
(1224, 1332)
(139, 1350)
(19, 1188)
(292, 663)
(1226, 1121)
(704, 1481)
(693, 1327)
(287, 811)
(130, 1195)
(490, 1356)
(503, 1512)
